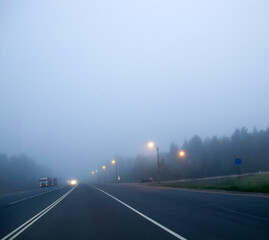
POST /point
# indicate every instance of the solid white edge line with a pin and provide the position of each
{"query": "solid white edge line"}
(143, 215)
(52, 205)
(18, 228)
(21, 200)
(31, 219)
(37, 216)
(18, 233)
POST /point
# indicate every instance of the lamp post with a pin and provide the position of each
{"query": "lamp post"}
(114, 162)
(104, 168)
(182, 154)
(152, 145)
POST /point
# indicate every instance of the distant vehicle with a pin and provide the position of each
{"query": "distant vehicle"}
(149, 179)
(72, 182)
(54, 182)
(45, 182)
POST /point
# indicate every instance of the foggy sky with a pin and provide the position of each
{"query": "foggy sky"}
(82, 81)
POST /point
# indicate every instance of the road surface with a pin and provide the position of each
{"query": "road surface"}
(130, 211)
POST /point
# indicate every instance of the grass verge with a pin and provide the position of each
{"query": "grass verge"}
(257, 182)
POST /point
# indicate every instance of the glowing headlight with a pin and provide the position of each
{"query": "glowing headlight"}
(73, 182)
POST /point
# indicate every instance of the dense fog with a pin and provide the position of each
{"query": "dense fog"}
(202, 158)
(84, 82)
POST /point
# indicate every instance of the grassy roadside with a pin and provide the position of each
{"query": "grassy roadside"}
(257, 182)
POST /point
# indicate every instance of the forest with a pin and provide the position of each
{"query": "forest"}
(19, 172)
(203, 158)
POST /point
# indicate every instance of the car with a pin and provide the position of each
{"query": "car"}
(149, 179)
(72, 182)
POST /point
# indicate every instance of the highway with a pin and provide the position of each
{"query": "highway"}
(132, 211)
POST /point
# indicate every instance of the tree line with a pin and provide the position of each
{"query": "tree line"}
(204, 158)
(19, 172)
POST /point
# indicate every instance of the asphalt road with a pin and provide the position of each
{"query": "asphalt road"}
(129, 211)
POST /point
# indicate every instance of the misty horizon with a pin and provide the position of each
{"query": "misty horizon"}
(82, 82)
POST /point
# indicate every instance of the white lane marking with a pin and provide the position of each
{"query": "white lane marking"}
(143, 215)
(241, 213)
(21, 200)
(28, 223)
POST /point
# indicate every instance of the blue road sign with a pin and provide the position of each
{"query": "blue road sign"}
(238, 161)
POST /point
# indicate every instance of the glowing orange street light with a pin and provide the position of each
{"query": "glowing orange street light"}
(152, 145)
(114, 162)
(181, 154)
(104, 169)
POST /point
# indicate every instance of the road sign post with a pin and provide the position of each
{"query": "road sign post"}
(238, 162)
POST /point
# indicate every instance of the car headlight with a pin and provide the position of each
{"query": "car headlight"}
(73, 182)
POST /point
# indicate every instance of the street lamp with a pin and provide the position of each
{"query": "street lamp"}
(181, 154)
(114, 162)
(152, 145)
(104, 168)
